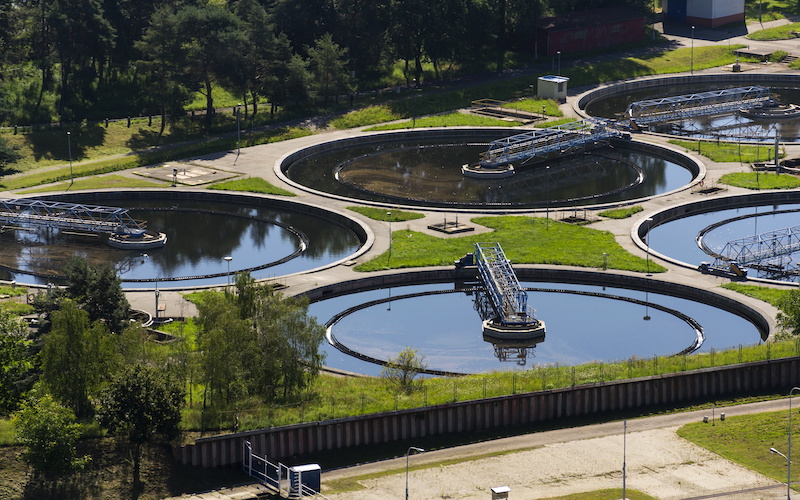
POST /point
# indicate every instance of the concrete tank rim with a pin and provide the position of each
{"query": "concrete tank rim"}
(695, 167)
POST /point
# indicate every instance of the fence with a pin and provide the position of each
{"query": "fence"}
(279, 477)
(498, 412)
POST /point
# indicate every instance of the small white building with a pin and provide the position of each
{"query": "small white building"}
(708, 13)
(552, 87)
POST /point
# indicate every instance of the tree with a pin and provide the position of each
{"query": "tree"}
(15, 360)
(77, 357)
(49, 432)
(789, 317)
(328, 62)
(403, 369)
(8, 153)
(142, 404)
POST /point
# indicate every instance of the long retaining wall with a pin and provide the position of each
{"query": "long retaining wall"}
(280, 443)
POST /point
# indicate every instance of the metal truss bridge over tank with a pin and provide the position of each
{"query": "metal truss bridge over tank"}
(765, 251)
(700, 104)
(70, 216)
(509, 301)
(561, 139)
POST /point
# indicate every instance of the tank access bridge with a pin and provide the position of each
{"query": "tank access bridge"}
(125, 231)
(561, 139)
(508, 321)
(765, 252)
(679, 107)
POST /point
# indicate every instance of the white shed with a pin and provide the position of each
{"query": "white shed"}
(553, 87)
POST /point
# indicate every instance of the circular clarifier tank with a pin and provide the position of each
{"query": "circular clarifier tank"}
(267, 238)
(585, 323)
(414, 169)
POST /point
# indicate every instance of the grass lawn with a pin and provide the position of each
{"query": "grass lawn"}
(760, 180)
(728, 151)
(770, 295)
(621, 213)
(777, 33)
(252, 185)
(455, 119)
(535, 106)
(746, 440)
(525, 240)
(102, 182)
(613, 494)
(386, 215)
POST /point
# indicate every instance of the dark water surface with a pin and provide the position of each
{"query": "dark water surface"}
(199, 236)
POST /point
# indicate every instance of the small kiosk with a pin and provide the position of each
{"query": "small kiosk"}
(553, 87)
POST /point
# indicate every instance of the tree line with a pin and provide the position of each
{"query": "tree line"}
(89, 361)
(92, 59)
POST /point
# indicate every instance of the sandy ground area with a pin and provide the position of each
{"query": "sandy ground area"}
(659, 463)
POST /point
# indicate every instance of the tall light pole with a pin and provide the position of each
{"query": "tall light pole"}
(408, 453)
(691, 63)
(238, 132)
(647, 242)
(788, 467)
(547, 194)
(69, 149)
(559, 62)
(228, 259)
(789, 447)
(624, 456)
(389, 218)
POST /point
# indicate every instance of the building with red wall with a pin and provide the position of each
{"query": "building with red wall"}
(710, 13)
(588, 30)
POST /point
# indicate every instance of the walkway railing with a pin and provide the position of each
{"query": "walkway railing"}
(276, 476)
(508, 297)
(71, 216)
(700, 104)
(563, 138)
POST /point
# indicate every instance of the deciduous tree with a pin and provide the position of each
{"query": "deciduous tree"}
(15, 361)
(404, 368)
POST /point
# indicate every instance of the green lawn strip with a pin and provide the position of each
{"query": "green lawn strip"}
(252, 185)
(760, 180)
(103, 182)
(6, 432)
(455, 119)
(535, 106)
(776, 33)
(345, 485)
(746, 440)
(525, 240)
(13, 291)
(386, 215)
(148, 158)
(769, 295)
(621, 213)
(728, 151)
(17, 308)
(553, 123)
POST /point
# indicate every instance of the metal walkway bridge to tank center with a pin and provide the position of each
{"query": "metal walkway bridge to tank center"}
(70, 216)
(560, 139)
(509, 300)
(700, 104)
(763, 248)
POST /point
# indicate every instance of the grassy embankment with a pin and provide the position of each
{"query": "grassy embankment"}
(386, 215)
(733, 152)
(621, 213)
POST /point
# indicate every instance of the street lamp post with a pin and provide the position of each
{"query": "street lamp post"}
(691, 63)
(789, 446)
(547, 194)
(647, 242)
(69, 149)
(408, 453)
(559, 62)
(788, 467)
(389, 218)
(624, 457)
(238, 131)
(228, 259)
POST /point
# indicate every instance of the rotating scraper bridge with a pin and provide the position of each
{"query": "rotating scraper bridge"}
(70, 216)
(592, 133)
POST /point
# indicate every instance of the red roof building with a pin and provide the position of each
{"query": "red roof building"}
(588, 30)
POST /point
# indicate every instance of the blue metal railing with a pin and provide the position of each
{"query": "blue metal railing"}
(510, 301)
(76, 217)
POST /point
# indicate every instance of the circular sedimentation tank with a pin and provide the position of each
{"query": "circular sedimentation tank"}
(265, 237)
(416, 169)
